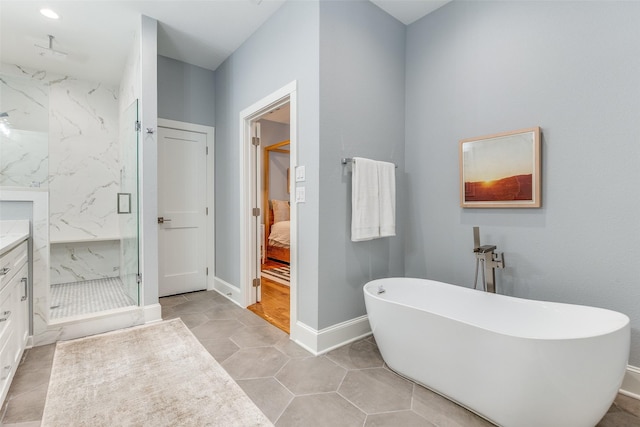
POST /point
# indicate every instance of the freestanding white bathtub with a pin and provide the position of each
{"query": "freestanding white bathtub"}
(513, 361)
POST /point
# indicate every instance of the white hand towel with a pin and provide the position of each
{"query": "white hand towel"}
(387, 198)
(365, 203)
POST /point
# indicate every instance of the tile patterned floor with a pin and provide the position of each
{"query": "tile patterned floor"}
(89, 296)
(349, 386)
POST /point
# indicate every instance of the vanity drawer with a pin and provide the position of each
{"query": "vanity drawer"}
(7, 309)
(8, 364)
(11, 262)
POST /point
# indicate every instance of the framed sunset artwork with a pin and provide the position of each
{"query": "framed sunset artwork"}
(501, 170)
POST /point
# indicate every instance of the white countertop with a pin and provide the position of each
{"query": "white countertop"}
(12, 233)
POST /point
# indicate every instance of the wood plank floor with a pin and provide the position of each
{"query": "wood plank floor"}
(274, 307)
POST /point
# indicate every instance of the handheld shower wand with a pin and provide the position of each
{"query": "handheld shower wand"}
(485, 254)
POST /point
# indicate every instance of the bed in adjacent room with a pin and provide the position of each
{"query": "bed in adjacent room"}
(278, 228)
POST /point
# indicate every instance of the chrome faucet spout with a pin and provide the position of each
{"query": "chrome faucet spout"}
(485, 248)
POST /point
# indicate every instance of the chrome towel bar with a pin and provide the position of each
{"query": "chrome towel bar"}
(346, 160)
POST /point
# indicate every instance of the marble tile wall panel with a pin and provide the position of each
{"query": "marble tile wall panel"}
(75, 262)
(24, 158)
(24, 97)
(84, 172)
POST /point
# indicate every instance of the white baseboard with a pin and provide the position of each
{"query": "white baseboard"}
(227, 290)
(327, 339)
(631, 383)
(152, 313)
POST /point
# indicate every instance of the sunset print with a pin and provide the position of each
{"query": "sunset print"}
(499, 169)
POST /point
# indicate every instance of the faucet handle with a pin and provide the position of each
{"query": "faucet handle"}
(498, 260)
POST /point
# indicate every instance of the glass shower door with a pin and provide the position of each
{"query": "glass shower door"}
(128, 206)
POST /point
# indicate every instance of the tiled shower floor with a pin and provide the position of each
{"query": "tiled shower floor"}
(349, 386)
(90, 296)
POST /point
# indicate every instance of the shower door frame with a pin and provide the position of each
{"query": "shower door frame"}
(130, 128)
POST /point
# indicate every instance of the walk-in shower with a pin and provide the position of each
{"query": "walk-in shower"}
(94, 265)
(74, 140)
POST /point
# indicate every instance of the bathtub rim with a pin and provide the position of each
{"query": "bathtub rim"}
(621, 318)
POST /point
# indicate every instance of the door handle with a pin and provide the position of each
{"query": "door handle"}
(162, 220)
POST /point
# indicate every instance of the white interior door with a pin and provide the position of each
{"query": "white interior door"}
(182, 203)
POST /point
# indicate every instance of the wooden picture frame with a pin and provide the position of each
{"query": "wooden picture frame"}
(501, 170)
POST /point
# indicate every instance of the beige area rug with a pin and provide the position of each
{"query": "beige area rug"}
(152, 375)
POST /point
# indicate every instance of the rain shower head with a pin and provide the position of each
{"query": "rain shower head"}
(50, 52)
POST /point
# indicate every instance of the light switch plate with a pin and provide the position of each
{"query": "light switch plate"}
(300, 174)
(300, 196)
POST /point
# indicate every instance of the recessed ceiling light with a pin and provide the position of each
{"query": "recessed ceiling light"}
(49, 13)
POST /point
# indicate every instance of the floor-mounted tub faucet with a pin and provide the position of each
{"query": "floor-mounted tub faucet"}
(491, 260)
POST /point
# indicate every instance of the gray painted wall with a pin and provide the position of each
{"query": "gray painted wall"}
(477, 68)
(362, 68)
(353, 54)
(284, 49)
(185, 92)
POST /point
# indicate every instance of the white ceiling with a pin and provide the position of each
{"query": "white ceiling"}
(98, 34)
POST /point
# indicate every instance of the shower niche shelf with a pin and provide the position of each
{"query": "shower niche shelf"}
(85, 240)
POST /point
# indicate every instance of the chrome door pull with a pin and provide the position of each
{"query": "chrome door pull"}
(26, 290)
(162, 220)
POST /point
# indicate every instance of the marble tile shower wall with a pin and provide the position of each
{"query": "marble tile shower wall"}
(24, 97)
(65, 136)
(84, 173)
(79, 261)
(84, 179)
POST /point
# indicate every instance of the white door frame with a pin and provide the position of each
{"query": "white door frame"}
(247, 249)
(210, 229)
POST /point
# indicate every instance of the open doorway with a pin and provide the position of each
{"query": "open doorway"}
(273, 304)
(268, 135)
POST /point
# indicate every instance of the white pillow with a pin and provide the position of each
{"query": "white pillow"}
(280, 210)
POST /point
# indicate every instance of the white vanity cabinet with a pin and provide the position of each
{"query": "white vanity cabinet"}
(14, 311)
